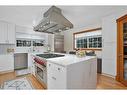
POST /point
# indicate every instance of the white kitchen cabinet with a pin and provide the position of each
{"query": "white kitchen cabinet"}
(81, 75)
(31, 64)
(33, 69)
(56, 76)
(6, 62)
(3, 31)
(11, 33)
(7, 31)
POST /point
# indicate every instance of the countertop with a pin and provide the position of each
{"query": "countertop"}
(67, 59)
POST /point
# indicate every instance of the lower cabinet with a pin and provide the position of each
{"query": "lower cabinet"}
(6, 62)
(31, 64)
(33, 69)
(56, 76)
(81, 75)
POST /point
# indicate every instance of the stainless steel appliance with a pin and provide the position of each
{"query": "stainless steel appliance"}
(59, 43)
(50, 55)
(53, 21)
(20, 61)
(40, 70)
(41, 66)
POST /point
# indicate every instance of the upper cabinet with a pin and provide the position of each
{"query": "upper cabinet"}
(11, 33)
(3, 31)
(7, 31)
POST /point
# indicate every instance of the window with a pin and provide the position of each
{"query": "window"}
(90, 39)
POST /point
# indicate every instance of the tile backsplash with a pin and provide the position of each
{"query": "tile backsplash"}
(6, 48)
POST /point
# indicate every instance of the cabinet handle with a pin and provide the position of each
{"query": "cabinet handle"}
(54, 78)
(58, 68)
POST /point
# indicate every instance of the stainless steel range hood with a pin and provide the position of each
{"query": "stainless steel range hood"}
(53, 22)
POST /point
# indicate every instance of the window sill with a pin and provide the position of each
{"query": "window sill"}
(96, 49)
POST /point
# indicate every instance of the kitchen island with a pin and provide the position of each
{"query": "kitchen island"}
(72, 72)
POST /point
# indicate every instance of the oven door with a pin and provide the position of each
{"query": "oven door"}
(41, 73)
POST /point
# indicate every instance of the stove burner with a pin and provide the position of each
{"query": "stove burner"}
(49, 55)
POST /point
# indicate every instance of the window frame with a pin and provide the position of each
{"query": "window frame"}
(91, 30)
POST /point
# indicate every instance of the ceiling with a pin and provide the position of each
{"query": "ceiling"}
(78, 15)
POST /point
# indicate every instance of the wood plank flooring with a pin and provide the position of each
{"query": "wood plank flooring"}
(103, 82)
(9, 76)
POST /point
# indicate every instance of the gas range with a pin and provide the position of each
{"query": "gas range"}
(41, 66)
(49, 55)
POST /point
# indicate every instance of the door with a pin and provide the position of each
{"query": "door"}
(122, 50)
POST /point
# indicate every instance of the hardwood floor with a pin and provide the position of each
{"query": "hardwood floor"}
(9, 76)
(103, 82)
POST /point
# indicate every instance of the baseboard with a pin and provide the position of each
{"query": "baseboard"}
(108, 75)
(8, 71)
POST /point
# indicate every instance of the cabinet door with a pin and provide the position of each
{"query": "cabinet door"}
(6, 62)
(33, 69)
(56, 76)
(11, 33)
(3, 31)
(31, 64)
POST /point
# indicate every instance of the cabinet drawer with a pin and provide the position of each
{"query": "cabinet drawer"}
(56, 76)
(55, 68)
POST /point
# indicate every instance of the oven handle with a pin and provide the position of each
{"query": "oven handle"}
(40, 66)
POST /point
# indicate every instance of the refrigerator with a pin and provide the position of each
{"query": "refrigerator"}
(59, 43)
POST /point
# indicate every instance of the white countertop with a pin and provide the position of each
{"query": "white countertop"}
(69, 59)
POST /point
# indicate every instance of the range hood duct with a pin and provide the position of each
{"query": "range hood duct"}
(53, 22)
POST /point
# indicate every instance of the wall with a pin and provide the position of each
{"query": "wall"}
(68, 37)
(109, 50)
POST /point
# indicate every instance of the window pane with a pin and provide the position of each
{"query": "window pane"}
(99, 45)
(89, 42)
